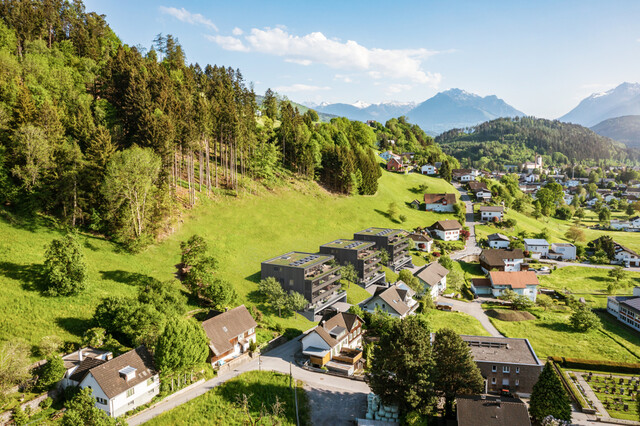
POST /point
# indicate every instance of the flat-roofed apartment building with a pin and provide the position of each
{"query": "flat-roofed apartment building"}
(362, 255)
(505, 363)
(315, 276)
(395, 241)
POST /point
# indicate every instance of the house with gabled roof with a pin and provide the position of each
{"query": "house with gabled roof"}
(396, 300)
(120, 384)
(335, 343)
(491, 213)
(421, 241)
(498, 241)
(429, 169)
(480, 190)
(501, 260)
(388, 155)
(230, 334)
(439, 202)
(395, 165)
(433, 277)
(447, 230)
(538, 247)
(524, 283)
(488, 410)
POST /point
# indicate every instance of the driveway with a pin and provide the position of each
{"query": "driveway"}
(562, 264)
(471, 247)
(474, 308)
(280, 359)
(331, 406)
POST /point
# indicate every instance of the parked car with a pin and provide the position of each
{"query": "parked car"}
(544, 269)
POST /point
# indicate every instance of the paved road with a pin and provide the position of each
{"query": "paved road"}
(562, 264)
(471, 247)
(474, 309)
(279, 360)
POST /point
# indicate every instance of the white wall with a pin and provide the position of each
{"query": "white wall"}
(499, 244)
(313, 339)
(120, 404)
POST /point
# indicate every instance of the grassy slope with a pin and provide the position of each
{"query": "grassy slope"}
(241, 231)
(220, 405)
(460, 322)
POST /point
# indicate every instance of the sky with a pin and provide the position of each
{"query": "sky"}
(542, 57)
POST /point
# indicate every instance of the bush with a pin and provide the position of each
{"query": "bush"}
(596, 365)
(46, 403)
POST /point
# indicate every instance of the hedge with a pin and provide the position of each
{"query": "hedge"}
(605, 366)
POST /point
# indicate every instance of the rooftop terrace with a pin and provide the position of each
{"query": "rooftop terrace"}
(349, 244)
(387, 232)
(299, 259)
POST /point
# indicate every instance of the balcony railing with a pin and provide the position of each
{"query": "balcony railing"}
(322, 283)
(365, 254)
(326, 297)
(324, 270)
(372, 270)
(401, 246)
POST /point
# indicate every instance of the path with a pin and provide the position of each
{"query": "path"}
(562, 264)
(474, 308)
(279, 359)
(591, 396)
(471, 248)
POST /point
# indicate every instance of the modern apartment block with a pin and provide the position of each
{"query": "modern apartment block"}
(362, 255)
(395, 241)
(315, 276)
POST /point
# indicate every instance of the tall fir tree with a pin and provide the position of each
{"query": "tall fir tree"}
(549, 397)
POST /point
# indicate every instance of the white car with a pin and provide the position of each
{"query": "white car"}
(544, 269)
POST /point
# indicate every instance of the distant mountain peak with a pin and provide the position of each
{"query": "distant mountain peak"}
(622, 100)
(361, 104)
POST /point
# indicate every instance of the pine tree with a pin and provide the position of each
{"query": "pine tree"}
(549, 397)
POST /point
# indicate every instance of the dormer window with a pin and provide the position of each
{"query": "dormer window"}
(128, 373)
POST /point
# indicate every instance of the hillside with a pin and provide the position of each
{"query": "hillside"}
(511, 141)
(456, 108)
(622, 129)
(242, 231)
(620, 101)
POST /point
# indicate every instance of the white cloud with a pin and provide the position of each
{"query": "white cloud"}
(397, 88)
(316, 48)
(237, 31)
(228, 43)
(301, 88)
(343, 77)
(184, 15)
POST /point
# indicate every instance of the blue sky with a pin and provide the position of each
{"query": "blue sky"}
(542, 57)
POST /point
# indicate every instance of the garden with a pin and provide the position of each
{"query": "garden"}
(617, 393)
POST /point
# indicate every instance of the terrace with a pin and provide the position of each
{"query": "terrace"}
(321, 271)
(299, 259)
(368, 255)
(327, 297)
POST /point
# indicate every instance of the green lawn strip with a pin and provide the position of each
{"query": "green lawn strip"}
(460, 322)
(551, 335)
(241, 231)
(222, 405)
(355, 293)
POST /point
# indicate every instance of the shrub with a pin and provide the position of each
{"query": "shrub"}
(46, 403)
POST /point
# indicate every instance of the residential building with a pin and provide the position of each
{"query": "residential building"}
(396, 300)
(230, 334)
(568, 199)
(633, 224)
(626, 257)
(362, 255)
(447, 230)
(464, 175)
(505, 363)
(626, 309)
(509, 260)
(537, 247)
(336, 343)
(498, 240)
(429, 169)
(421, 241)
(562, 251)
(491, 213)
(315, 276)
(537, 165)
(416, 204)
(388, 155)
(120, 384)
(439, 202)
(433, 278)
(524, 283)
(395, 241)
(88, 357)
(487, 410)
(480, 191)
(395, 165)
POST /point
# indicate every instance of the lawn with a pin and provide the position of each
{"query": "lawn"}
(222, 405)
(551, 335)
(241, 231)
(460, 322)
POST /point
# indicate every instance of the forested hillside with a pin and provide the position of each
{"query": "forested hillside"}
(116, 139)
(624, 129)
(514, 140)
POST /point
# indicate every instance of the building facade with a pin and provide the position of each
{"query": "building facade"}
(362, 255)
(396, 242)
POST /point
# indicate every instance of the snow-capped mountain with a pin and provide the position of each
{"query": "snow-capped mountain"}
(621, 101)
(364, 111)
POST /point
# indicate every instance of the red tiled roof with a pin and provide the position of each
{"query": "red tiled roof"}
(519, 279)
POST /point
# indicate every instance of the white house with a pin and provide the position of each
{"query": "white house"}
(563, 251)
(428, 169)
(530, 178)
(537, 247)
(491, 213)
(439, 202)
(396, 300)
(230, 334)
(388, 155)
(627, 257)
(522, 282)
(464, 175)
(73, 360)
(421, 241)
(447, 230)
(122, 383)
(498, 241)
(620, 225)
(434, 279)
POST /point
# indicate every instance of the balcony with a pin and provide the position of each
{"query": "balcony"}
(398, 238)
(399, 261)
(324, 280)
(366, 254)
(318, 272)
(372, 270)
(401, 246)
(327, 298)
(366, 282)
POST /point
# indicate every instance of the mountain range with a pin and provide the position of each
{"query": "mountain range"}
(625, 129)
(618, 102)
(444, 111)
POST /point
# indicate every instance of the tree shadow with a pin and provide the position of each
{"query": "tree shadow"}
(73, 325)
(418, 190)
(559, 327)
(125, 277)
(387, 215)
(30, 276)
(600, 279)
(90, 246)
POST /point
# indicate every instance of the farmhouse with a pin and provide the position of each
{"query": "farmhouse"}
(396, 300)
(433, 277)
(230, 334)
(491, 213)
(498, 240)
(439, 202)
(505, 363)
(501, 260)
(336, 343)
(447, 230)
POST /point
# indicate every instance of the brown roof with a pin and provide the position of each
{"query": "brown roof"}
(395, 300)
(491, 208)
(447, 225)
(491, 411)
(477, 186)
(518, 279)
(496, 257)
(432, 273)
(439, 198)
(222, 328)
(344, 320)
(420, 237)
(83, 369)
(481, 282)
(112, 382)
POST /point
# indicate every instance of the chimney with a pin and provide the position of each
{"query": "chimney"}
(80, 357)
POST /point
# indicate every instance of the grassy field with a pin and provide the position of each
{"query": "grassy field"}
(221, 405)
(241, 231)
(460, 322)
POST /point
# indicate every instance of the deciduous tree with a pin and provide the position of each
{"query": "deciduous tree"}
(65, 269)
(182, 344)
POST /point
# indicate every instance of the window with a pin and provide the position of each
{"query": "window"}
(130, 392)
(493, 380)
(276, 269)
(494, 368)
(517, 369)
(290, 283)
(506, 369)
(150, 381)
(517, 382)
(101, 401)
